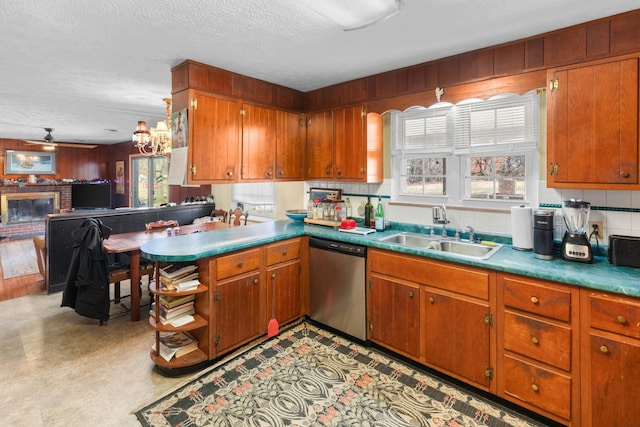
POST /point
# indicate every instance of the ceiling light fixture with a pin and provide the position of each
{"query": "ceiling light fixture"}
(355, 14)
(155, 141)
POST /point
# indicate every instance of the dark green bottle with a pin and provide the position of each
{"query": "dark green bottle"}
(369, 220)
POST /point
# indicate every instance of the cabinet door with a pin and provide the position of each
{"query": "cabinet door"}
(456, 333)
(237, 313)
(611, 382)
(290, 146)
(284, 289)
(258, 142)
(320, 145)
(394, 315)
(593, 125)
(349, 141)
(214, 137)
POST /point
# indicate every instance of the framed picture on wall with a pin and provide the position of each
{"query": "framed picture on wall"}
(30, 162)
(120, 177)
(179, 128)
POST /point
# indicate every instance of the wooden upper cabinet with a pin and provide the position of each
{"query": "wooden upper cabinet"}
(345, 145)
(349, 143)
(320, 145)
(290, 146)
(258, 142)
(272, 144)
(214, 135)
(592, 124)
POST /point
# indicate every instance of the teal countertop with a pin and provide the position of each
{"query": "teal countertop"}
(600, 275)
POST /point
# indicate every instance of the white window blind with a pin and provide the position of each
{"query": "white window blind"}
(423, 131)
(506, 123)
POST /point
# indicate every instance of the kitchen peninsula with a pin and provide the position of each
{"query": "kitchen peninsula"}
(575, 324)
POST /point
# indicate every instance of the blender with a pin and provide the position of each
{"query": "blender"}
(575, 243)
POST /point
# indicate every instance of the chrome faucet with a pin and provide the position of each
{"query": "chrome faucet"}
(471, 231)
(440, 217)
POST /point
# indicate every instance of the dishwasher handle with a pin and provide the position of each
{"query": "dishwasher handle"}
(335, 246)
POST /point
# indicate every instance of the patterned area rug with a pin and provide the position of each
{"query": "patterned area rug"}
(18, 259)
(309, 377)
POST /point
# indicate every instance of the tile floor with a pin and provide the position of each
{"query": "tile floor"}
(58, 368)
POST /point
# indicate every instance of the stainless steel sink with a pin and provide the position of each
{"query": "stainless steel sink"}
(474, 250)
(408, 239)
(464, 249)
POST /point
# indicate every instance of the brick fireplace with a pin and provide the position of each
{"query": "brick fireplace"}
(24, 208)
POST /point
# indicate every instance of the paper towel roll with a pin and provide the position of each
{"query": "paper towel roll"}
(522, 228)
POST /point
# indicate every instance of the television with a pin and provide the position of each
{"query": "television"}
(91, 196)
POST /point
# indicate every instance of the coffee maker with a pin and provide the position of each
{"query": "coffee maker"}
(575, 243)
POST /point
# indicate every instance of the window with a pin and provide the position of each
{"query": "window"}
(474, 151)
(149, 181)
(256, 198)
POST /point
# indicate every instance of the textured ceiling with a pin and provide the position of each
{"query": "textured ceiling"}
(82, 67)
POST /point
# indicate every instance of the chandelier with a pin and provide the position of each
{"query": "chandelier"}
(155, 141)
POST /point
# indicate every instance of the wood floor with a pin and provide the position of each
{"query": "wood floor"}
(20, 286)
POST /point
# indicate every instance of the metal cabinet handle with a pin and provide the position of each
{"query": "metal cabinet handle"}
(621, 319)
(255, 281)
(410, 294)
(535, 387)
(535, 300)
(240, 264)
(230, 174)
(535, 340)
(624, 174)
(273, 276)
(604, 349)
(432, 300)
(284, 253)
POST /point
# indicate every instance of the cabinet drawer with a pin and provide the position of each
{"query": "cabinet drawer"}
(537, 386)
(283, 251)
(460, 279)
(237, 263)
(615, 314)
(541, 299)
(538, 340)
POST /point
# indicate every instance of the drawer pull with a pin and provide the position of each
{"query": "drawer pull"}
(535, 340)
(284, 253)
(240, 264)
(273, 276)
(604, 349)
(255, 281)
(621, 320)
(535, 388)
(410, 293)
(535, 300)
(432, 300)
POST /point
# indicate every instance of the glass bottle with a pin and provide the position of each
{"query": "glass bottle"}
(311, 207)
(379, 218)
(368, 214)
(348, 209)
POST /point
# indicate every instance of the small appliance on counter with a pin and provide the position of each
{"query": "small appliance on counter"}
(543, 234)
(624, 250)
(521, 228)
(575, 243)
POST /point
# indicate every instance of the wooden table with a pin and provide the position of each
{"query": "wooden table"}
(130, 243)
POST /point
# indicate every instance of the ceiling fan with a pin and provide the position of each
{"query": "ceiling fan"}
(47, 141)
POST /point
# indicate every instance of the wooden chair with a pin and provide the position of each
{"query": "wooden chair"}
(236, 215)
(41, 253)
(220, 213)
(160, 225)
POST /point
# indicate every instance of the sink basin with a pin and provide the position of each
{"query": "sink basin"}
(474, 250)
(408, 239)
(465, 249)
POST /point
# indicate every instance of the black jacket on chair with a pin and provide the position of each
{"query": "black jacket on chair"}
(87, 284)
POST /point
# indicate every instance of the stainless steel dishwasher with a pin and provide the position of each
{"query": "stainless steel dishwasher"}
(338, 285)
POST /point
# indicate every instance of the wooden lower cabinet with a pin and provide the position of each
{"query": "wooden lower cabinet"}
(434, 312)
(538, 326)
(457, 336)
(394, 315)
(610, 359)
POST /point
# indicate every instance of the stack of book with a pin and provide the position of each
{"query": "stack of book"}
(179, 277)
(176, 344)
(174, 309)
